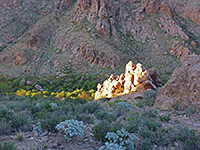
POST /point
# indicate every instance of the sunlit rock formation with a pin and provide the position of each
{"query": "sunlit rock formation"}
(134, 79)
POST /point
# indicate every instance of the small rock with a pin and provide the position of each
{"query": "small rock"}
(29, 83)
(44, 139)
(58, 52)
(38, 87)
(194, 44)
(62, 147)
(31, 138)
(138, 96)
(176, 144)
(44, 133)
(22, 81)
(54, 145)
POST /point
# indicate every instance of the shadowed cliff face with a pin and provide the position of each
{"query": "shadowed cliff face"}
(41, 37)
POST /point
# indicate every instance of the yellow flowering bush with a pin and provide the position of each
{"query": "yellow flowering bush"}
(21, 92)
(77, 94)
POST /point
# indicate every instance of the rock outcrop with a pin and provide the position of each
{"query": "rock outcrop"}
(105, 13)
(155, 6)
(95, 57)
(60, 7)
(183, 87)
(20, 58)
(134, 79)
(170, 26)
(193, 14)
(180, 51)
(168, 6)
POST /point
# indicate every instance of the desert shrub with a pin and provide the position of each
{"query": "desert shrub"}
(189, 138)
(5, 127)
(152, 113)
(165, 118)
(50, 120)
(90, 107)
(144, 126)
(87, 119)
(20, 137)
(150, 94)
(145, 133)
(190, 110)
(103, 115)
(121, 139)
(145, 144)
(6, 113)
(148, 100)
(100, 130)
(143, 102)
(20, 122)
(125, 106)
(71, 128)
(36, 108)
(164, 136)
(8, 146)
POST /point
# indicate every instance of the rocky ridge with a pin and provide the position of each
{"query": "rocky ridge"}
(100, 33)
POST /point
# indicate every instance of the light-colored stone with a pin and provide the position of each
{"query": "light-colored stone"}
(134, 79)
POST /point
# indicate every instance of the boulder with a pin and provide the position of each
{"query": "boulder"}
(151, 6)
(39, 87)
(103, 27)
(194, 44)
(135, 79)
(20, 58)
(183, 87)
(180, 51)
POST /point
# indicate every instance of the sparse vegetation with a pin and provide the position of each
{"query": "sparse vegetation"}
(8, 146)
(45, 113)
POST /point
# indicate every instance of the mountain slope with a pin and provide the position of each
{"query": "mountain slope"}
(91, 35)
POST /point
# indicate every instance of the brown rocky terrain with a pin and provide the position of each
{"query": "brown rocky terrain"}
(40, 37)
(183, 87)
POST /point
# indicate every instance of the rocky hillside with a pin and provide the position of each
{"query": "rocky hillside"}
(41, 37)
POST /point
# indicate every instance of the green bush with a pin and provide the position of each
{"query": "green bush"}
(6, 113)
(103, 115)
(100, 130)
(5, 127)
(8, 146)
(87, 119)
(143, 102)
(165, 118)
(89, 107)
(145, 144)
(152, 113)
(51, 119)
(189, 138)
(20, 122)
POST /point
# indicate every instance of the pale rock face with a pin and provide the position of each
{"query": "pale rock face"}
(134, 79)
